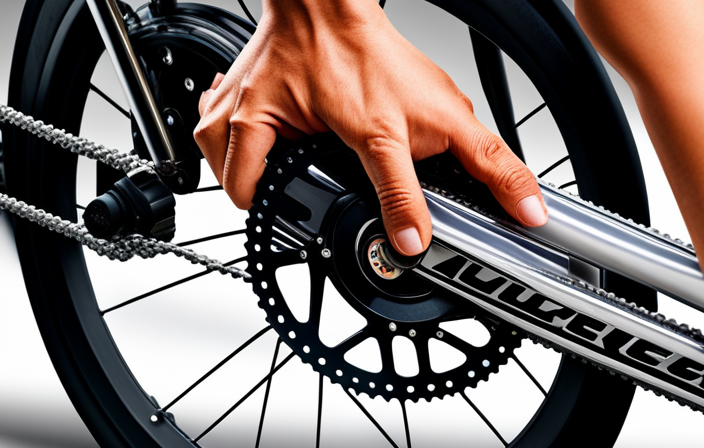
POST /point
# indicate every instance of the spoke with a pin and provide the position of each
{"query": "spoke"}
(266, 394)
(554, 165)
(212, 237)
(530, 115)
(165, 287)
(320, 410)
(371, 419)
(405, 424)
(530, 375)
(261, 333)
(204, 189)
(110, 100)
(246, 396)
(486, 420)
(317, 290)
(80, 207)
(382, 3)
(568, 184)
(246, 11)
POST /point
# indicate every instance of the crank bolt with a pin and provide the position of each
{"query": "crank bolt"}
(392, 326)
(412, 333)
(303, 254)
(170, 120)
(189, 84)
(379, 261)
(439, 334)
(168, 57)
(326, 253)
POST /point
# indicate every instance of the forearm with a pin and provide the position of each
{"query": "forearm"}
(342, 13)
(658, 47)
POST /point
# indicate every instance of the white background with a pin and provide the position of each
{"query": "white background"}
(34, 411)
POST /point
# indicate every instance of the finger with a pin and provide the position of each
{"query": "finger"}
(204, 100)
(205, 96)
(250, 142)
(212, 135)
(487, 157)
(217, 80)
(403, 208)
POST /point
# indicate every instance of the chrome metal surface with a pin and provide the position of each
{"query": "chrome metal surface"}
(592, 234)
(134, 84)
(379, 262)
(539, 271)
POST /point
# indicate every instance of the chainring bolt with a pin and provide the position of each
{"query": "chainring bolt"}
(412, 333)
(319, 240)
(439, 334)
(154, 418)
(392, 326)
(170, 120)
(303, 254)
(168, 57)
(190, 85)
(326, 253)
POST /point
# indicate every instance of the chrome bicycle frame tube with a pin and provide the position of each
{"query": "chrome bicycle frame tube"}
(579, 230)
(109, 21)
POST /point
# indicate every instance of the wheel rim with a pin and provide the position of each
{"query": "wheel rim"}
(75, 278)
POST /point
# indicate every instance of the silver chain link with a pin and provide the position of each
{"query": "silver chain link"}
(122, 249)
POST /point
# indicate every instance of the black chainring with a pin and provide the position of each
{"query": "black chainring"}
(315, 205)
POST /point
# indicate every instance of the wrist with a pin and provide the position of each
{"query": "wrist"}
(337, 13)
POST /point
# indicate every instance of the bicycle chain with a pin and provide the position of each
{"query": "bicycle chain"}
(126, 248)
(683, 329)
(122, 249)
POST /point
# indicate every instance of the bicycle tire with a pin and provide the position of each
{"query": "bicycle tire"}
(56, 46)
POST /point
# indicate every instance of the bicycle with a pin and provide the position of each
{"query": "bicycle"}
(94, 364)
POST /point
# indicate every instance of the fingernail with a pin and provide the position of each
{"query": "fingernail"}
(408, 241)
(531, 211)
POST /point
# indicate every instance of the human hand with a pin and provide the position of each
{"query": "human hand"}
(319, 65)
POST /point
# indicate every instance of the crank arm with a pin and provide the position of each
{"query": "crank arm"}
(524, 279)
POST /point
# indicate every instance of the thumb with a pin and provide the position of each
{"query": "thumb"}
(403, 208)
(487, 157)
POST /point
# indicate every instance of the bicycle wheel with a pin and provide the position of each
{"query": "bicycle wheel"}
(56, 55)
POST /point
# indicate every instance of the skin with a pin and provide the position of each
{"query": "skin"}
(658, 47)
(319, 65)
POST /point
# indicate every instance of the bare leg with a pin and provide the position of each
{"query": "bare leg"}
(658, 47)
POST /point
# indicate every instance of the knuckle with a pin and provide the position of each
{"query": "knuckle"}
(467, 102)
(492, 149)
(203, 131)
(512, 180)
(379, 145)
(396, 201)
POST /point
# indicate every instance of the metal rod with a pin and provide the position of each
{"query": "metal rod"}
(112, 29)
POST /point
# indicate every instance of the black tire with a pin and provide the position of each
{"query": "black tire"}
(57, 48)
